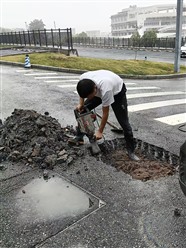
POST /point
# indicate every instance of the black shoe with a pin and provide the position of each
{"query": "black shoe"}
(132, 156)
(76, 141)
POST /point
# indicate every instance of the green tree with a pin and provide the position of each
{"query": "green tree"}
(83, 34)
(135, 39)
(149, 38)
(36, 25)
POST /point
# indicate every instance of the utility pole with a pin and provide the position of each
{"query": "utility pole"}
(178, 35)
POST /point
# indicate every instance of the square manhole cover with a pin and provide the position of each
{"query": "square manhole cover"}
(34, 209)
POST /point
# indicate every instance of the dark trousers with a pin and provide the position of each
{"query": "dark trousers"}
(119, 107)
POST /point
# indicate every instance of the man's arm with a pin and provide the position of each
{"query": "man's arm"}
(104, 119)
(81, 104)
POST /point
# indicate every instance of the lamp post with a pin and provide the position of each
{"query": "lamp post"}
(178, 35)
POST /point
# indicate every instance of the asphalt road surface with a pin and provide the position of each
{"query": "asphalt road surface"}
(157, 56)
(128, 213)
(156, 107)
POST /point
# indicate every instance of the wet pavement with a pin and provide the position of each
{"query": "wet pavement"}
(131, 214)
(110, 209)
(35, 207)
(122, 54)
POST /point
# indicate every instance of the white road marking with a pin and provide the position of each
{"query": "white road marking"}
(67, 86)
(143, 88)
(61, 81)
(168, 93)
(61, 85)
(24, 70)
(173, 119)
(41, 73)
(64, 85)
(57, 77)
(151, 105)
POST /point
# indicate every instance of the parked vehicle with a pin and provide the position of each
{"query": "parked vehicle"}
(183, 51)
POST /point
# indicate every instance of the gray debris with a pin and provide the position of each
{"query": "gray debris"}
(29, 137)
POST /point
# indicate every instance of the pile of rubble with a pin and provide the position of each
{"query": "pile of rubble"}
(34, 139)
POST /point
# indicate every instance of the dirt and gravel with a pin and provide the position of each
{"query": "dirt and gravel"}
(39, 140)
(34, 139)
(145, 169)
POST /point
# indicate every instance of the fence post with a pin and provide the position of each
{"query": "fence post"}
(8, 38)
(45, 37)
(68, 38)
(71, 41)
(29, 40)
(24, 37)
(12, 38)
(39, 38)
(52, 37)
(15, 38)
(4, 38)
(20, 38)
(60, 38)
(34, 38)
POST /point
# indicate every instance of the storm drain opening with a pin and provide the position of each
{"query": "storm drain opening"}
(155, 162)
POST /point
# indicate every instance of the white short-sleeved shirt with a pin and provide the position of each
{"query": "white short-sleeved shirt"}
(108, 84)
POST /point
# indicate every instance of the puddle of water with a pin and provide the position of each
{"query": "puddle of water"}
(51, 199)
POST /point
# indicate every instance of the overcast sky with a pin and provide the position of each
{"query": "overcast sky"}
(83, 15)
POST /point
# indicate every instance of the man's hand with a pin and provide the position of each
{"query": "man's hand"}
(98, 135)
(80, 107)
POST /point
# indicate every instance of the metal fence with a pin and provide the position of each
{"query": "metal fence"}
(61, 38)
(167, 43)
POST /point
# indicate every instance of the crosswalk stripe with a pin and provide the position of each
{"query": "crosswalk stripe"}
(52, 77)
(173, 119)
(151, 105)
(40, 74)
(61, 81)
(64, 85)
(142, 95)
(143, 88)
(24, 70)
(66, 80)
(67, 86)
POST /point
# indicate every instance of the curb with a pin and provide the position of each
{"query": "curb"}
(77, 71)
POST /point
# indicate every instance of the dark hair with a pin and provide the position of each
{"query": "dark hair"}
(85, 87)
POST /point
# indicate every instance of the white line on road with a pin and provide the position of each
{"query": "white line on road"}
(151, 105)
(41, 73)
(168, 93)
(57, 77)
(173, 119)
(61, 81)
(24, 70)
(67, 85)
(62, 86)
(143, 88)
(66, 80)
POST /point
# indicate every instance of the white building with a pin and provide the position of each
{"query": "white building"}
(93, 33)
(161, 18)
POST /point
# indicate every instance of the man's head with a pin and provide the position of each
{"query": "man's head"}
(86, 88)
